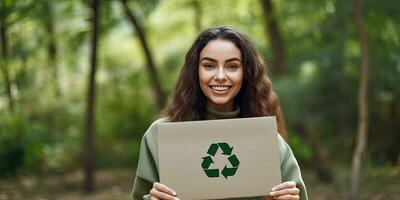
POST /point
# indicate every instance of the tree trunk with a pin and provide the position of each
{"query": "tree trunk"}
(279, 58)
(160, 97)
(5, 51)
(52, 48)
(319, 160)
(89, 153)
(393, 152)
(362, 134)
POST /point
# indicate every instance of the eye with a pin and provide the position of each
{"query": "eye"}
(232, 67)
(208, 66)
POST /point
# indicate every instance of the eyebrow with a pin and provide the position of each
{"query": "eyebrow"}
(228, 60)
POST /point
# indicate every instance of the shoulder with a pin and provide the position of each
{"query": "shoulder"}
(282, 144)
(151, 133)
(158, 121)
(285, 151)
(149, 139)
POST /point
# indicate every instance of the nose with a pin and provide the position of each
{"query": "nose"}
(220, 74)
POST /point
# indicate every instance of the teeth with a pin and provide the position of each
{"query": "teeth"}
(220, 87)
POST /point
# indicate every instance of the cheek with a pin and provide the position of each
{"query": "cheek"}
(203, 81)
(204, 76)
(201, 76)
(237, 78)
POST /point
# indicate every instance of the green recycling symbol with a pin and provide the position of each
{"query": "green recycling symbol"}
(226, 150)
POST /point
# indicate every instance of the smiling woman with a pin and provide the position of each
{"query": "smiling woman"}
(223, 77)
(220, 74)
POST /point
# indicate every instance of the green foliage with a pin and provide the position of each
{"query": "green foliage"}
(12, 149)
(302, 150)
(45, 131)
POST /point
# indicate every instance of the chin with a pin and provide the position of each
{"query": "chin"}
(219, 101)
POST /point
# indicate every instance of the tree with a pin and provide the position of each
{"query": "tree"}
(361, 140)
(155, 80)
(52, 51)
(275, 38)
(5, 51)
(88, 148)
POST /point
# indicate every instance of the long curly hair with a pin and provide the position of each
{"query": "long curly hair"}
(255, 98)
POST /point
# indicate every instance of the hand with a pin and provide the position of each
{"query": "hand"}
(162, 192)
(285, 191)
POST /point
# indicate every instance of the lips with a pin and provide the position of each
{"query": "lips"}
(220, 89)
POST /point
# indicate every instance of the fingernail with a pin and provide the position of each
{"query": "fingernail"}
(272, 193)
(176, 198)
(273, 189)
(173, 193)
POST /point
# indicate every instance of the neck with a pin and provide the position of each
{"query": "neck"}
(228, 107)
(215, 114)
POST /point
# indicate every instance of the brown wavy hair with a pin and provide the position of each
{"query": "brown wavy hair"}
(255, 98)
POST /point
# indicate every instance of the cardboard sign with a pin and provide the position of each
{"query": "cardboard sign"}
(218, 159)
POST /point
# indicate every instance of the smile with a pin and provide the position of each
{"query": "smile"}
(220, 88)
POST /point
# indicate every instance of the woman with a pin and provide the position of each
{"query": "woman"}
(223, 77)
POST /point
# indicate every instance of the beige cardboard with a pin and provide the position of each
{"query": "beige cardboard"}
(182, 145)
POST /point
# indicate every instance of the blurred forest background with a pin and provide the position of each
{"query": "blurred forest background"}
(81, 81)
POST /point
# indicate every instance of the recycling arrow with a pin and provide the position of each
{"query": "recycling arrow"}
(226, 151)
(234, 160)
(213, 149)
(212, 172)
(228, 171)
(225, 148)
(206, 162)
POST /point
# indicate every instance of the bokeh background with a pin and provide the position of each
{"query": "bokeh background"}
(73, 108)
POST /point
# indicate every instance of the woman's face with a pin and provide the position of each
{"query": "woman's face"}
(220, 73)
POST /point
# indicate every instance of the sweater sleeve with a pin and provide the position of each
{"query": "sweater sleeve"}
(290, 169)
(147, 168)
(141, 189)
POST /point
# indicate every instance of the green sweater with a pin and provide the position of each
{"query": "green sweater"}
(147, 168)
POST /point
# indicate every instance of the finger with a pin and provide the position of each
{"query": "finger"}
(287, 197)
(288, 184)
(293, 191)
(153, 198)
(164, 188)
(161, 195)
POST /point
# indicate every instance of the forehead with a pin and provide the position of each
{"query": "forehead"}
(220, 50)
